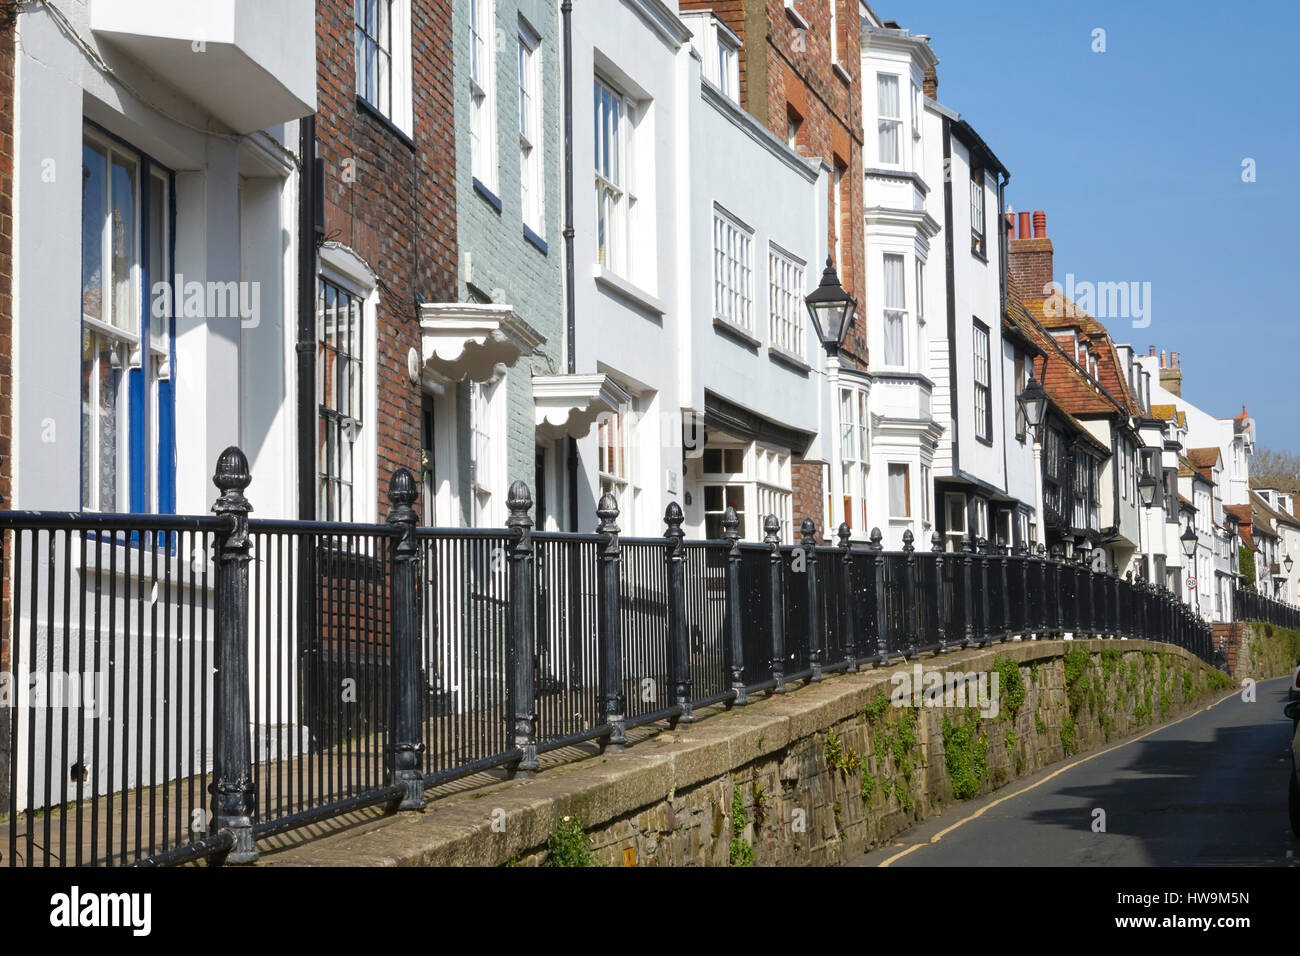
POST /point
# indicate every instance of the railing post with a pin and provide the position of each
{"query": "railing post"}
(234, 794)
(846, 588)
(882, 608)
(680, 648)
(776, 605)
(523, 717)
(808, 541)
(1006, 592)
(940, 604)
(405, 745)
(735, 639)
(909, 591)
(609, 627)
(968, 591)
(984, 591)
(1042, 590)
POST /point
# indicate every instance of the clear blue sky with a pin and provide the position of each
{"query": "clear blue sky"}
(1136, 156)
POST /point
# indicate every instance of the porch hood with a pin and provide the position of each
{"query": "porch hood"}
(460, 340)
(568, 405)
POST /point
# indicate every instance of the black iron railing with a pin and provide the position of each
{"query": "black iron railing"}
(1253, 606)
(188, 686)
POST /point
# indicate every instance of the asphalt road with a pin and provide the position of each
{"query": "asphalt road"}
(1210, 790)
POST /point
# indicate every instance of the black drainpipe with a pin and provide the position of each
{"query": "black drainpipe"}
(309, 226)
(571, 358)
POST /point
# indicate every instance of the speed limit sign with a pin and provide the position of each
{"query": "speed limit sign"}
(1191, 584)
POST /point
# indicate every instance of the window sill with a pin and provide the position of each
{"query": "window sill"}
(367, 107)
(842, 73)
(788, 358)
(536, 241)
(616, 285)
(729, 328)
(988, 442)
(488, 195)
(980, 256)
(796, 17)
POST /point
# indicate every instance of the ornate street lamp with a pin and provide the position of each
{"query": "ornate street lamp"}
(831, 309)
(1289, 563)
(1033, 402)
(1147, 490)
(1188, 540)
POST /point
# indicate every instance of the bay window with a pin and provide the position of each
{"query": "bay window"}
(900, 491)
(127, 397)
(895, 312)
(889, 120)
(753, 479)
(855, 444)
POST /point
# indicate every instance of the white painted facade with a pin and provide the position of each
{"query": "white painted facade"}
(629, 306)
(744, 183)
(229, 203)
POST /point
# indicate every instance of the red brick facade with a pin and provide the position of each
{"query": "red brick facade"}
(399, 212)
(786, 72)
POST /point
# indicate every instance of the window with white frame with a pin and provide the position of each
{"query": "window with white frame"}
(900, 490)
(983, 383)
(977, 225)
(616, 461)
(834, 29)
(1022, 423)
(889, 120)
(733, 270)
(955, 520)
(918, 116)
(895, 312)
(531, 177)
(981, 519)
(753, 479)
(855, 445)
(926, 517)
(615, 199)
(837, 214)
(374, 50)
(482, 76)
(786, 299)
(728, 65)
(127, 392)
(340, 371)
(487, 464)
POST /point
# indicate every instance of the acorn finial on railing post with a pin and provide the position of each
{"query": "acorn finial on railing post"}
(735, 642)
(908, 541)
(234, 794)
(405, 745)
(609, 627)
(936, 542)
(678, 644)
(776, 603)
(808, 543)
(848, 613)
(875, 540)
(523, 720)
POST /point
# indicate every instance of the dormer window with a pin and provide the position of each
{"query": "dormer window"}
(719, 48)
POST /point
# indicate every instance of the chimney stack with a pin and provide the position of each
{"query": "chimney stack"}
(930, 83)
(1151, 351)
(1030, 257)
(1171, 376)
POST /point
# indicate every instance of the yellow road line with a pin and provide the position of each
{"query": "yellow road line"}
(1060, 770)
